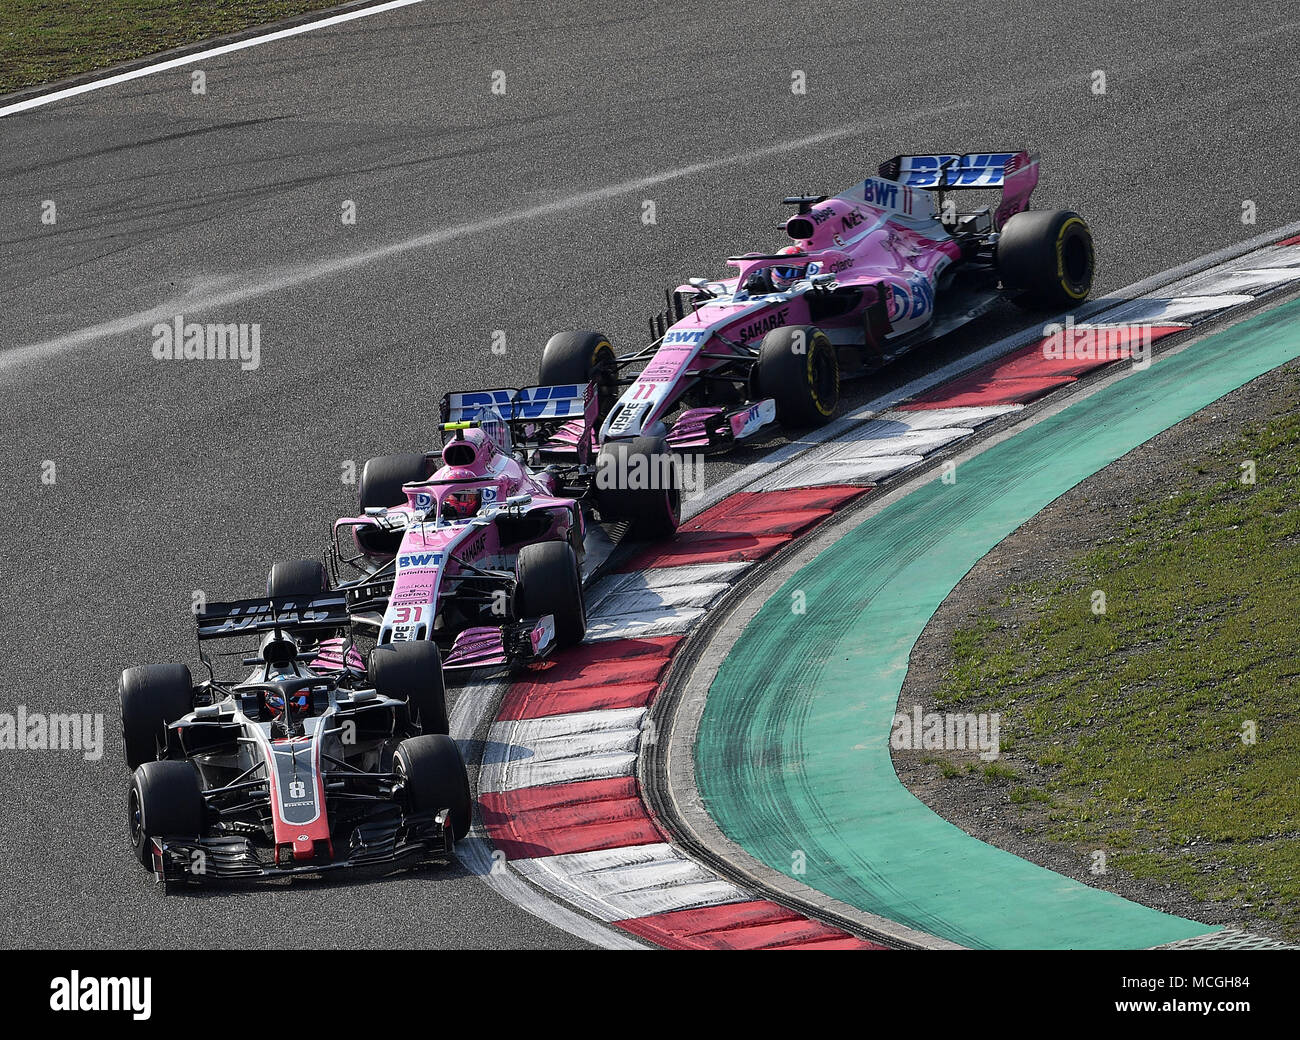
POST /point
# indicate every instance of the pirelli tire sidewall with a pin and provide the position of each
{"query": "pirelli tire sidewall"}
(434, 778)
(412, 672)
(381, 486)
(578, 358)
(640, 481)
(799, 369)
(151, 697)
(164, 801)
(1046, 258)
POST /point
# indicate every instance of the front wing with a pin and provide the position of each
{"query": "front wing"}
(379, 844)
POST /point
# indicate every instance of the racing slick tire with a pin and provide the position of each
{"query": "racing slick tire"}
(435, 778)
(547, 581)
(381, 485)
(799, 370)
(293, 579)
(1045, 258)
(412, 672)
(647, 494)
(164, 801)
(152, 697)
(580, 357)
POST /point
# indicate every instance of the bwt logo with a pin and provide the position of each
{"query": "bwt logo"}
(678, 336)
(880, 193)
(539, 402)
(419, 560)
(923, 171)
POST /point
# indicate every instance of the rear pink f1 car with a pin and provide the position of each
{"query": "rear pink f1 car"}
(871, 273)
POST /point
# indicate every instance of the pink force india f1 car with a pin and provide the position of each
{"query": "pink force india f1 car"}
(477, 549)
(312, 762)
(872, 273)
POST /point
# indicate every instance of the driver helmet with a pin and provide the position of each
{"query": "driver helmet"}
(784, 277)
(295, 703)
(461, 505)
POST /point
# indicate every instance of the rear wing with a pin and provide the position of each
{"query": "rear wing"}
(533, 413)
(1016, 173)
(941, 172)
(535, 403)
(243, 617)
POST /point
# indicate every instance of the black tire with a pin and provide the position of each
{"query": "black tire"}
(435, 778)
(653, 504)
(1045, 258)
(549, 582)
(412, 672)
(164, 801)
(152, 697)
(799, 370)
(294, 579)
(579, 357)
(381, 486)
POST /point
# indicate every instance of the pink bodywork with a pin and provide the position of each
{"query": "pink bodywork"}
(879, 234)
(433, 552)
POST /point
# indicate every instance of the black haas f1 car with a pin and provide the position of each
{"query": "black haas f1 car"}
(312, 763)
(872, 273)
(478, 548)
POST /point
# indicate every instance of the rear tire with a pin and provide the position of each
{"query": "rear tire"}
(640, 481)
(1045, 258)
(435, 778)
(580, 357)
(799, 370)
(549, 582)
(412, 672)
(152, 697)
(295, 579)
(164, 801)
(381, 487)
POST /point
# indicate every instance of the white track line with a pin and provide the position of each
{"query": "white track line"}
(204, 298)
(190, 59)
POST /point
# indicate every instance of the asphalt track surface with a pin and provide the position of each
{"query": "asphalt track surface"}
(476, 212)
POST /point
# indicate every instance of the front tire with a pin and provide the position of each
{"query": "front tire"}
(164, 801)
(548, 582)
(1045, 258)
(640, 481)
(381, 487)
(152, 697)
(296, 579)
(580, 357)
(435, 778)
(412, 672)
(799, 370)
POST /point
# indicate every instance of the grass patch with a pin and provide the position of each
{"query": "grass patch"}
(43, 40)
(1136, 716)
